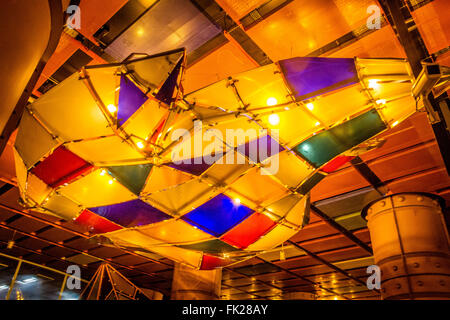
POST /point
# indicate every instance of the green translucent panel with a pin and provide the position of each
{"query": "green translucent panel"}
(212, 246)
(323, 147)
(132, 177)
(310, 183)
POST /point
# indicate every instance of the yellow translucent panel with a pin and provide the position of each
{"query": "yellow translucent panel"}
(181, 199)
(241, 127)
(258, 87)
(291, 169)
(219, 94)
(294, 125)
(105, 151)
(190, 257)
(258, 188)
(164, 177)
(396, 111)
(105, 84)
(145, 120)
(392, 90)
(36, 189)
(97, 189)
(175, 232)
(225, 173)
(32, 140)
(62, 206)
(296, 214)
(370, 67)
(132, 236)
(21, 171)
(273, 238)
(338, 105)
(262, 87)
(81, 118)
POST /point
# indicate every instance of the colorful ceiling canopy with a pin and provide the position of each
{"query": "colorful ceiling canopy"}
(207, 178)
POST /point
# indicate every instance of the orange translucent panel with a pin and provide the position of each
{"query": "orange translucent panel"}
(315, 22)
(36, 189)
(175, 232)
(259, 189)
(190, 257)
(164, 177)
(105, 83)
(225, 61)
(398, 110)
(97, 189)
(291, 169)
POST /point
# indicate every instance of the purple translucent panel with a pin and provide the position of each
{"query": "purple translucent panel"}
(165, 94)
(195, 166)
(130, 99)
(131, 213)
(309, 77)
(260, 149)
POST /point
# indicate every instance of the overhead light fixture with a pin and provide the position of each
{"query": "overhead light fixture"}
(310, 106)
(271, 101)
(373, 84)
(274, 119)
(140, 145)
(111, 108)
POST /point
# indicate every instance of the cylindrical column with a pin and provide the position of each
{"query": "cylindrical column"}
(411, 245)
(191, 284)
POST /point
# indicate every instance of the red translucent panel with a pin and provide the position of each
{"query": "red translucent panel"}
(96, 223)
(60, 167)
(250, 230)
(336, 163)
(212, 262)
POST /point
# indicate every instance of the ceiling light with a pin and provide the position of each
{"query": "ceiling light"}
(111, 108)
(271, 101)
(317, 123)
(373, 83)
(310, 106)
(395, 123)
(274, 119)
(110, 181)
(140, 145)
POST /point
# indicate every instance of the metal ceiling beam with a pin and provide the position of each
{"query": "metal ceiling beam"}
(328, 264)
(314, 284)
(348, 234)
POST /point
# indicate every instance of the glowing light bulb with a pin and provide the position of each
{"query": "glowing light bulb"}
(140, 145)
(140, 32)
(274, 119)
(111, 108)
(317, 123)
(373, 83)
(381, 101)
(237, 201)
(110, 181)
(271, 101)
(310, 106)
(395, 123)
(102, 173)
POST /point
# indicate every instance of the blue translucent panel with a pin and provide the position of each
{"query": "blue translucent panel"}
(130, 99)
(260, 149)
(311, 76)
(195, 166)
(218, 215)
(165, 93)
(131, 213)
(322, 147)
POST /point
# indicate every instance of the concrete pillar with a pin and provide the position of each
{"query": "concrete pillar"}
(411, 245)
(191, 284)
